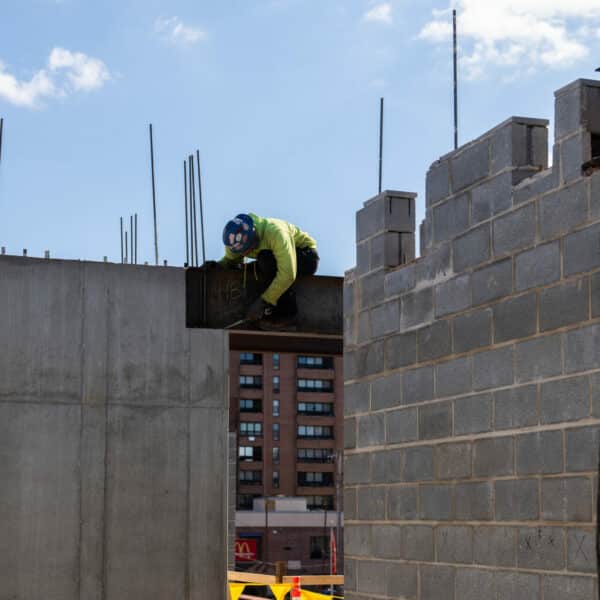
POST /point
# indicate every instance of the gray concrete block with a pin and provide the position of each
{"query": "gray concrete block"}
(371, 430)
(493, 368)
(472, 330)
(495, 546)
(434, 341)
(453, 461)
(400, 280)
(582, 250)
(371, 503)
(417, 308)
(470, 165)
(435, 264)
(363, 258)
(401, 503)
(386, 392)
(595, 285)
(454, 544)
(350, 503)
(516, 407)
(349, 359)
(357, 540)
(402, 581)
(568, 105)
(540, 452)
(565, 400)
(582, 349)
(453, 295)
(472, 248)
(514, 230)
(437, 182)
(470, 583)
(474, 501)
(436, 502)
(563, 210)
(517, 500)
(357, 398)
(493, 457)
(371, 289)
(512, 585)
(426, 234)
(417, 543)
(541, 548)
(388, 211)
(401, 425)
(595, 384)
(538, 358)
(418, 464)
(349, 433)
(370, 576)
(595, 195)
(539, 183)
(491, 197)
(401, 350)
(573, 588)
(435, 420)
(567, 499)
(368, 360)
(515, 318)
(492, 282)
(581, 550)
(386, 467)
(349, 574)
(454, 377)
(386, 542)
(554, 300)
(417, 385)
(473, 414)
(583, 446)
(574, 151)
(357, 468)
(437, 582)
(385, 318)
(364, 326)
(451, 218)
(538, 266)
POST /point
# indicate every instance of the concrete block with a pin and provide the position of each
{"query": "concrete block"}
(434, 265)
(567, 499)
(399, 281)
(349, 433)
(492, 282)
(538, 358)
(473, 414)
(357, 468)
(437, 582)
(370, 576)
(434, 341)
(426, 234)
(474, 501)
(554, 300)
(363, 257)
(574, 588)
(514, 230)
(568, 105)
(540, 452)
(401, 425)
(574, 151)
(388, 211)
(371, 503)
(371, 289)
(471, 582)
(582, 250)
(402, 581)
(538, 266)
(512, 585)
(451, 218)
(470, 165)
(472, 248)
(583, 446)
(349, 574)
(595, 195)
(453, 377)
(387, 541)
(539, 183)
(515, 318)
(595, 384)
(368, 360)
(350, 503)
(417, 543)
(453, 461)
(357, 540)
(350, 363)
(493, 457)
(495, 546)
(386, 467)
(517, 500)
(541, 548)
(436, 502)
(453, 295)
(435, 420)
(371, 430)
(357, 397)
(493, 368)
(401, 503)
(418, 464)
(472, 330)
(565, 400)
(417, 385)
(401, 350)
(364, 326)
(454, 544)
(491, 197)
(417, 308)
(563, 210)
(437, 182)
(582, 349)
(516, 407)
(385, 318)
(595, 285)
(581, 550)
(386, 392)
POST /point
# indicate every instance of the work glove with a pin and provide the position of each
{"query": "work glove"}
(259, 309)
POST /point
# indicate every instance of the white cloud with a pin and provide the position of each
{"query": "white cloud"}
(518, 34)
(381, 13)
(174, 30)
(66, 72)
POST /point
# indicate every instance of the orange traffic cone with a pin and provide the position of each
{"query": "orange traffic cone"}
(296, 592)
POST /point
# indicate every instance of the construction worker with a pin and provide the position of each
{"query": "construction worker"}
(282, 252)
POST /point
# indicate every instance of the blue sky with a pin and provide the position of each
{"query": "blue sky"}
(280, 96)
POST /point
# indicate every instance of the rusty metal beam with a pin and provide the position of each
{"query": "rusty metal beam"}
(261, 341)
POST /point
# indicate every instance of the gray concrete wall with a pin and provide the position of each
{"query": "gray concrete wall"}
(472, 412)
(113, 436)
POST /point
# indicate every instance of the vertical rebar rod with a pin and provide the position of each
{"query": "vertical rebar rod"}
(136, 236)
(185, 187)
(153, 197)
(455, 61)
(131, 236)
(191, 209)
(201, 207)
(126, 244)
(380, 142)
(122, 256)
(193, 189)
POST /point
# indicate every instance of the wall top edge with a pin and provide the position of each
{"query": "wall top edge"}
(577, 83)
(390, 194)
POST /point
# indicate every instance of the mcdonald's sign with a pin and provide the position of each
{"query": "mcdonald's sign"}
(245, 550)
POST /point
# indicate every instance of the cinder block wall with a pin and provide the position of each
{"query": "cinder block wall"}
(472, 398)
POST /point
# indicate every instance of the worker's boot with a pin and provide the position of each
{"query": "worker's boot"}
(283, 316)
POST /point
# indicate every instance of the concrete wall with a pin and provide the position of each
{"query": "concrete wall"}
(473, 377)
(113, 436)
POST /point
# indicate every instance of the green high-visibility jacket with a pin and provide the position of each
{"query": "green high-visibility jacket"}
(282, 239)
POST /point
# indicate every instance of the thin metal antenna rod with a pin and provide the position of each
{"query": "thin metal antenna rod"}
(201, 207)
(193, 189)
(136, 237)
(153, 197)
(131, 240)
(455, 57)
(191, 209)
(185, 187)
(380, 142)
(121, 240)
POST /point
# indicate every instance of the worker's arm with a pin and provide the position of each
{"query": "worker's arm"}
(284, 251)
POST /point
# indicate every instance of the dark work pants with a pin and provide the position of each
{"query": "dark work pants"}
(307, 261)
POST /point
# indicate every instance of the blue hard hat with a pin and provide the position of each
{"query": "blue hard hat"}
(239, 235)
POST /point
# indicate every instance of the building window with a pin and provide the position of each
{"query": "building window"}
(275, 432)
(315, 362)
(251, 381)
(315, 385)
(319, 546)
(319, 502)
(276, 455)
(275, 408)
(250, 405)
(315, 479)
(315, 455)
(250, 453)
(276, 361)
(249, 358)
(315, 431)
(251, 477)
(250, 428)
(275, 383)
(315, 408)
(275, 479)
(245, 501)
